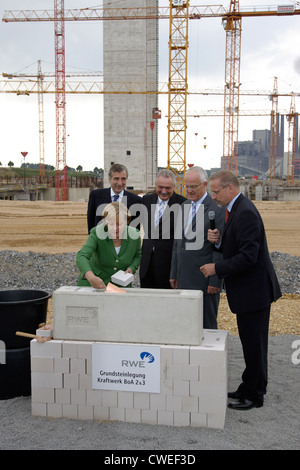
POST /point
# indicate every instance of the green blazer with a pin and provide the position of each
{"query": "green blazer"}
(98, 254)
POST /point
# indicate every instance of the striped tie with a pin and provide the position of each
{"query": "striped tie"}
(191, 216)
(160, 212)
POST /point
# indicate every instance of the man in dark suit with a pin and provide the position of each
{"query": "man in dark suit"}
(189, 253)
(159, 215)
(250, 281)
(99, 198)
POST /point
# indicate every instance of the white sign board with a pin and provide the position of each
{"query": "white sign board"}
(134, 368)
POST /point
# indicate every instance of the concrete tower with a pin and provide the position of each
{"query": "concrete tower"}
(130, 50)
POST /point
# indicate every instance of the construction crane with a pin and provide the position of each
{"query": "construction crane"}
(291, 118)
(274, 123)
(231, 20)
(37, 86)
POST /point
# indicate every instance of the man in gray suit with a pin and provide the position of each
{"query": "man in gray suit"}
(192, 248)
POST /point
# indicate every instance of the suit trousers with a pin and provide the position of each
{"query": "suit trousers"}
(253, 329)
(158, 273)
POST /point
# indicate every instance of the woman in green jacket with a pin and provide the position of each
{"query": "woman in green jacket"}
(111, 246)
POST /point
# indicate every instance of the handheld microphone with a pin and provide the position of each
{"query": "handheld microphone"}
(211, 216)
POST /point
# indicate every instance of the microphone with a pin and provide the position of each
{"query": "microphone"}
(211, 216)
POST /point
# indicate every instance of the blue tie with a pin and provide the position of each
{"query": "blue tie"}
(191, 216)
(160, 212)
(115, 197)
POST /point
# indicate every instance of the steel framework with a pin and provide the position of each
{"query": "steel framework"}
(274, 124)
(177, 96)
(291, 117)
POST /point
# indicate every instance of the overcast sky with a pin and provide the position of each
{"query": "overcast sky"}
(270, 47)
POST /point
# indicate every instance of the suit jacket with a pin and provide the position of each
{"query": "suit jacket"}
(250, 280)
(99, 198)
(158, 239)
(98, 254)
(185, 267)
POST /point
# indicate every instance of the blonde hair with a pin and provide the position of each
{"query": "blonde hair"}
(114, 210)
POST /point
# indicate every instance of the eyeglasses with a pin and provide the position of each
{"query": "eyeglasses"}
(193, 187)
(218, 190)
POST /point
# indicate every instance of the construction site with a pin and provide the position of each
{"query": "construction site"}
(131, 87)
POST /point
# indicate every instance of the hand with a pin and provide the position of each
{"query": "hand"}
(213, 236)
(128, 270)
(173, 283)
(213, 290)
(95, 281)
(208, 269)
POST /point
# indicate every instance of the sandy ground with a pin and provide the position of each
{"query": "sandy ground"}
(58, 227)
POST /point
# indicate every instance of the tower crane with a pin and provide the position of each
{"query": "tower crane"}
(274, 123)
(291, 117)
(180, 10)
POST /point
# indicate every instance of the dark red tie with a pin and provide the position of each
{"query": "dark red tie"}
(226, 215)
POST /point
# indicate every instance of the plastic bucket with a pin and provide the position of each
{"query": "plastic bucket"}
(21, 310)
(15, 377)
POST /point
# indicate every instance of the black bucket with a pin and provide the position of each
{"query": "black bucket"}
(15, 377)
(21, 310)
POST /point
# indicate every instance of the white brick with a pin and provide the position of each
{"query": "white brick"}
(78, 397)
(63, 396)
(70, 411)
(94, 397)
(181, 388)
(125, 399)
(85, 412)
(62, 364)
(84, 350)
(132, 415)
(181, 355)
(71, 381)
(42, 364)
(190, 372)
(216, 420)
(190, 404)
(109, 398)
(157, 402)
(167, 387)
(39, 409)
(174, 371)
(46, 380)
(51, 348)
(117, 414)
(101, 413)
(54, 410)
(216, 374)
(42, 395)
(85, 382)
(165, 418)
(141, 400)
(198, 419)
(173, 403)
(181, 419)
(78, 366)
(149, 416)
(166, 354)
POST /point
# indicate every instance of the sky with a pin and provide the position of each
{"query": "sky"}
(269, 48)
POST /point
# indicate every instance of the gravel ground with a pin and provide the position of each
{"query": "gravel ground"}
(48, 272)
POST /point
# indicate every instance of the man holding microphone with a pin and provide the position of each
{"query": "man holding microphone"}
(250, 282)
